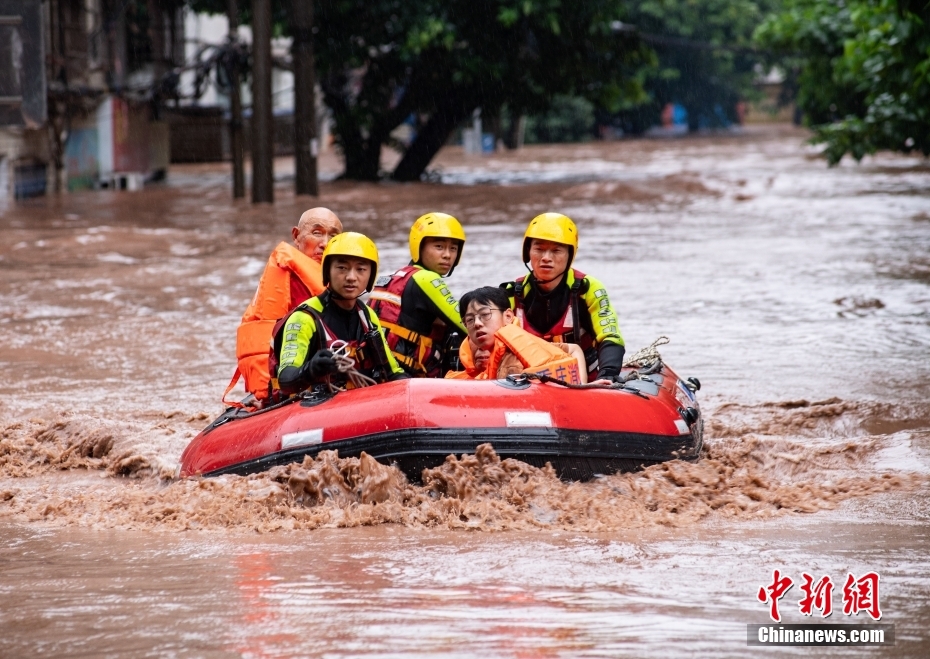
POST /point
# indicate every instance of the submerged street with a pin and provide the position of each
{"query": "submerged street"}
(797, 293)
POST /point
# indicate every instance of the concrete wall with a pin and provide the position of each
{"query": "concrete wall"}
(767, 109)
(23, 158)
(198, 134)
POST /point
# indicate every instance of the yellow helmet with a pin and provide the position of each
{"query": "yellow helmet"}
(435, 225)
(553, 227)
(354, 244)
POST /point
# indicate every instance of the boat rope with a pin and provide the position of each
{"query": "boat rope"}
(620, 385)
(346, 366)
(648, 360)
(644, 362)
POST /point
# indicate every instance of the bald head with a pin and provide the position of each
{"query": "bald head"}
(314, 230)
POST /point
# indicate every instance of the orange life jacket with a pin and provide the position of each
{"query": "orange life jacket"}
(272, 300)
(535, 354)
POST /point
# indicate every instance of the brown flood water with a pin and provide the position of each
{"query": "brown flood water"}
(798, 294)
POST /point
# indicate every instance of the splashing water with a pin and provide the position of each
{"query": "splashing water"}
(798, 294)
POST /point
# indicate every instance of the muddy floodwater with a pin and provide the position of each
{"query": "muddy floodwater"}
(798, 294)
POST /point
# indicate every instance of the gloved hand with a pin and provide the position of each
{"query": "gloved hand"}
(323, 363)
(398, 376)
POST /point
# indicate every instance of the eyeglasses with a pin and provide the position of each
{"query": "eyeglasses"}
(485, 316)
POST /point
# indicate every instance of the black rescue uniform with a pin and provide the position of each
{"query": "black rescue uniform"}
(316, 325)
(578, 311)
(420, 314)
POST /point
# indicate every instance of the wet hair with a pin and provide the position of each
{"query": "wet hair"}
(492, 296)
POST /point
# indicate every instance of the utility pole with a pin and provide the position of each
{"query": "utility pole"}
(305, 137)
(160, 62)
(262, 139)
(235, 104)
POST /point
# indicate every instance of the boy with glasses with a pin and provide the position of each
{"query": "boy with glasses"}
(497, 346)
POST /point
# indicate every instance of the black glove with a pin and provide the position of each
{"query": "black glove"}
(323, 363)
(398, 376)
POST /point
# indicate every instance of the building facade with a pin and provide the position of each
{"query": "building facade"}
(81, 82)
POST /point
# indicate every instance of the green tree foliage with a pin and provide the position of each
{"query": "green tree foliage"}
(379, 61)
(442, 59)
(568, 119)
(705, 58)
(862, 70)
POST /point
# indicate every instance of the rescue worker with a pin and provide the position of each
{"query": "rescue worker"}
(304, 341)
(415, 305)
(292, 275)
(497, 346)
(561, 304)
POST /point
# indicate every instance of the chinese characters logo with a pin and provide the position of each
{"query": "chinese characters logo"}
(858, 595)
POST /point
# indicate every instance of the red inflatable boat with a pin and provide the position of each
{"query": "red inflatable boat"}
(416, 423)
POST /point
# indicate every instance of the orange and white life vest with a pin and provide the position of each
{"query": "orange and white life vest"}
(535, 354)
(272, 300)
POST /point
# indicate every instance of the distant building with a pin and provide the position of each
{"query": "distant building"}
(77, 104)
(23, 103)
(104, 93)
(772, 106)
(199, 122)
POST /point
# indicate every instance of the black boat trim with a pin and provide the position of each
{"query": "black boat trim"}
(575, 454)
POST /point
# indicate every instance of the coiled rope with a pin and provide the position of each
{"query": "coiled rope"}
(346, 366)
(648, 356)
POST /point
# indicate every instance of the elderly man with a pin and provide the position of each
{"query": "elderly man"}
(292, 275)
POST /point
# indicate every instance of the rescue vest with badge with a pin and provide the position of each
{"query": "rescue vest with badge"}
(535, 354)
(568, 329)
(419, 355)
(366, 348)
(272, 300)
